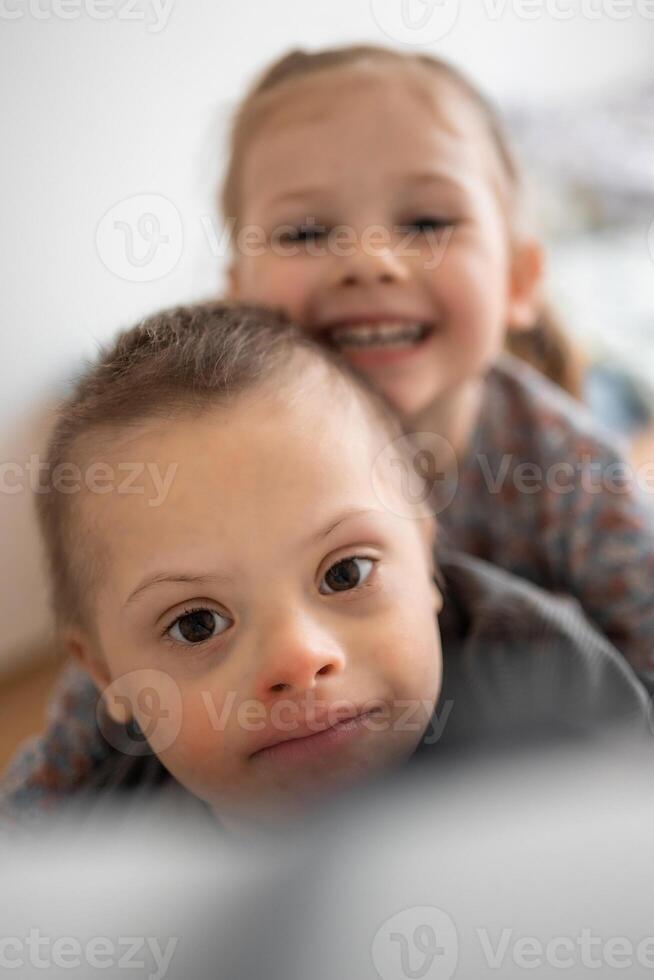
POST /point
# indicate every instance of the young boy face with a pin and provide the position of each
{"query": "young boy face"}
(268, 597)
(418, 286)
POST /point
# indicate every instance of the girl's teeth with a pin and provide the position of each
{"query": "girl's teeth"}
(378, 334)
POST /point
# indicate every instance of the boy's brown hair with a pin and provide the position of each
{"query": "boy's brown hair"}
(180, 362)
(546, 346)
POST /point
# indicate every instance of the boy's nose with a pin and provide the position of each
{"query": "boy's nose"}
(295, 657)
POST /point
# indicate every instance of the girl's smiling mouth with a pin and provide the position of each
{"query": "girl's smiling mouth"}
(368, 340)
(386, 333)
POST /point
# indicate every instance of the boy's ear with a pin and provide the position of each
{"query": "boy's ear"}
(83, 650)
(526, 276)
(80, 647)
(428, 532)
(437, 597)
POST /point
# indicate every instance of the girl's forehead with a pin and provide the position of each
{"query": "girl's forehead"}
(354, 156)
(328, 97)
(326, 129)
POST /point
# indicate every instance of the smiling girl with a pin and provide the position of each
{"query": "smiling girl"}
(391, 214)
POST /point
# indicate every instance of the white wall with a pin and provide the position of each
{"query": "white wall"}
(96, 111)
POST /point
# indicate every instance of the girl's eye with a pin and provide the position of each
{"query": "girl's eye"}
(197, 625)
(345, 575)
(427, 223)
(303, 233)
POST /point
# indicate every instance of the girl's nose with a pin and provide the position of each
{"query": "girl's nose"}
(294, 657)
(370, 266)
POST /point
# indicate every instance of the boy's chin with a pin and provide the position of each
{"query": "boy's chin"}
(273, 811)
(258, 816)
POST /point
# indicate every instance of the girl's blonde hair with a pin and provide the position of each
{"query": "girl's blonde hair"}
(546, 346)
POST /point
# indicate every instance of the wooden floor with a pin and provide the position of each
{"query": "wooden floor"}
(23, 699)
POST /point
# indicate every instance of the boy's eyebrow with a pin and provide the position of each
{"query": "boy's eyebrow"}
(160, 577)
(333, 524)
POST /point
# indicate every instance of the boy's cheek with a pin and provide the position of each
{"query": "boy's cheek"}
(409, 659)
(199, 756)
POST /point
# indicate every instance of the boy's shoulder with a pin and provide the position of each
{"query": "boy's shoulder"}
(517, 658)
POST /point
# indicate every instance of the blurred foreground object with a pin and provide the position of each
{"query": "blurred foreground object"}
(537, 860)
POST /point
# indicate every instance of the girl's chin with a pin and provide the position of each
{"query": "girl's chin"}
(381, 360)
(406, 376)
(410, 397)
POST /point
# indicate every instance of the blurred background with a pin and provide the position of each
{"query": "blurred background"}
(114, 116)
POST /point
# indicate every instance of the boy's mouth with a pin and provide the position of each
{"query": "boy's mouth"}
(307, 742)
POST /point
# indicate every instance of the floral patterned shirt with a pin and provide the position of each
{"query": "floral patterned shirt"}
(544, 493)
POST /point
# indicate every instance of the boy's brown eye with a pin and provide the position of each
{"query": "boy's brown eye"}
(198, 625)
(346, 574)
